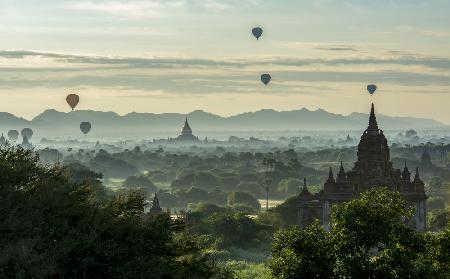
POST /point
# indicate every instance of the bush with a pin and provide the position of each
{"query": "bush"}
(140, 182)
(253, 188)
(206, 180)
(289, 187)
(434, 203)
(243, 198)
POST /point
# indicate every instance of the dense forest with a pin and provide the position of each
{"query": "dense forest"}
(88, 217)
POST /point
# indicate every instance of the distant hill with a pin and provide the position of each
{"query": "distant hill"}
(52, 123)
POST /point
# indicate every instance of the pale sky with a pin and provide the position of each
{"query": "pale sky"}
(183, 55)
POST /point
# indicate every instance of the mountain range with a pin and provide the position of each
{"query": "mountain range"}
(52, 123)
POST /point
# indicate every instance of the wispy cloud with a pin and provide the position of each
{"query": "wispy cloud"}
(207, 76)
(132, 8)
(422, 32)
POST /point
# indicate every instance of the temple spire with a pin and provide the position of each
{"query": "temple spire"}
(331, 176)
(406, 175)
(373, 125)
(417, 176)
(341, 177)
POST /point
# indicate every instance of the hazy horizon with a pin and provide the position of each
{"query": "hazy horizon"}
(220, 115)
(180, 56)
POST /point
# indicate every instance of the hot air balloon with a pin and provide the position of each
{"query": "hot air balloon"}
(85, 127)
(257, 32)
(371, 88)
(72, 100)
(27, 133)
(265, 78)
(13, 135)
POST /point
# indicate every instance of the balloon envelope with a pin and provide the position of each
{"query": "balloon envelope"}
(265, 78)
(85, 127)
(26, 132)
(13, 135)
(257, 32)
(73, 100)
(371, 88)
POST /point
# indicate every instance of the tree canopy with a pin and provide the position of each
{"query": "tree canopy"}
(51, 227)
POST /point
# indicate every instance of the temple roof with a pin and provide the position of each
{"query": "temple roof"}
(186, 129)
(373, 125)
(305, 194)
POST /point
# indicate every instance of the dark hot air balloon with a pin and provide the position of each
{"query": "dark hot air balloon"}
(73, 100)
(265, 78)
(371, 88)
(85, 127)
(257, 32)
(27, 132)
(13, 135)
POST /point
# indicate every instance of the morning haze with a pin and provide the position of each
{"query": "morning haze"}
(254, 139)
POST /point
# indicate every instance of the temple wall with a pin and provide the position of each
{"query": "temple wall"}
(420, 216)
(326, 215)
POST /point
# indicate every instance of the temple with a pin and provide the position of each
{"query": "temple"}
(156, 208)
(426, 166)
(186, 134)
(373, 169)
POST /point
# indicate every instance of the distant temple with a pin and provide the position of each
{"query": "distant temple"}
(156, 208)
(373, 169)
(186, 134)
(426, 167)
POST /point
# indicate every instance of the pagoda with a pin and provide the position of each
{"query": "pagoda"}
(373, 169)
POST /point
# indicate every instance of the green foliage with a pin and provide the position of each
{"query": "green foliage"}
(51, 228)
(290, 186)
(434, 203)
(245, 270)
(252, 188)
(283, 215)
(369, 239)
(112, 167)
(206, 180)
(227, 226)
(140, 182)
(439, 219)
(435, 186)
(243, 198)
(303, 253)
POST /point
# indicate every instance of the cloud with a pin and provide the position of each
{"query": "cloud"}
(422, 32)
(148, 8)
(338, 48)
(177, 75)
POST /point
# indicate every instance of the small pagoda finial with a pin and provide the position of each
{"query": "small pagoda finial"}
(417, 176)
(331, 175)
(341, 170)
(373, 125)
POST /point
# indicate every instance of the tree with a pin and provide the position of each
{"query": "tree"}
(303, 253)
(370, 238)
(243, 198)
(52, 228)
(140, 182)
